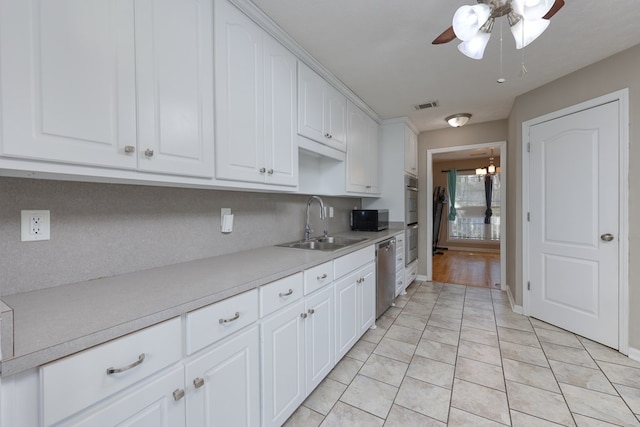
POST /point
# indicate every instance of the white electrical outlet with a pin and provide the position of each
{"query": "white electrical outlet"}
(35, 225)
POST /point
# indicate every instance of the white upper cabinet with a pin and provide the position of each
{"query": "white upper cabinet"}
(255, 102)
(118, 84)
(321, 110)
(174, 67)
(410, 152)
(362, 152)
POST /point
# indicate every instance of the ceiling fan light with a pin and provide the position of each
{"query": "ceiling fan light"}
(468, 20)
(532, 9)
(474, 48)
(525, 31)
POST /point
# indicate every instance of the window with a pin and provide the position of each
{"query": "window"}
(470, 210)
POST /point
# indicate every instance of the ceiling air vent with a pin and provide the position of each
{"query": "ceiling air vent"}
(430, 104)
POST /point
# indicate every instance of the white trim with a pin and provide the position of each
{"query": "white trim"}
(470, 249)
(622, 97)
(400, 120)
(634, 354)
(516, 308)
(421, 277)
(503, 202)
(267, 24)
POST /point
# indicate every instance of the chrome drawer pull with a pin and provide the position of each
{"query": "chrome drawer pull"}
(270, 171)
(129, 149)
(304, 315)
(198, 382)
(178, 394)
(263, 170)
(311, 311)
(113, 370)
(148, 152)
(235, 317)
(324, 276)
(281, 294)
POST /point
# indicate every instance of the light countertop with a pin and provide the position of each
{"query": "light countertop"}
(56, 322)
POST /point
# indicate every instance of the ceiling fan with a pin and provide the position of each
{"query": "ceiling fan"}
(473, 24)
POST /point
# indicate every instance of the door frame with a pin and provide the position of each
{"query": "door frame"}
(503, 203)
(622, 96)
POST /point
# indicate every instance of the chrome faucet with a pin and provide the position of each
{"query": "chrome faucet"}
(307, 227)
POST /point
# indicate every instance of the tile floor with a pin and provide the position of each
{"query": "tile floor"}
(458, 356)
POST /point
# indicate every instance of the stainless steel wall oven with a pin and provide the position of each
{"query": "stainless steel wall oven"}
(411, 218)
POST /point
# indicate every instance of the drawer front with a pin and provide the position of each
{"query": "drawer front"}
(411, 272)
(400, 283)
(348, 263)
(216, 321)
(75, 382)
(280, 293)
(318, 277)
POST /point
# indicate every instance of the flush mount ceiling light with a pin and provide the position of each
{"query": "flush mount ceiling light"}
(473, 24)
(458, 120)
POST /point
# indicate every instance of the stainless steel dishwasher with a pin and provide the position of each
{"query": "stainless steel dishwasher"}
(385, 275)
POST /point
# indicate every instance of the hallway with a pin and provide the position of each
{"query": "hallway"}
(458, 356)
(467, 268)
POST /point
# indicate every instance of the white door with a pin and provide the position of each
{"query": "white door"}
(283, 387)
(223, 385)
(574, 193)
(319, 342)
(174, 63)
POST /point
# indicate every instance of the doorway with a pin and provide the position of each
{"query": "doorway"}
(465, 152)
(575, 233)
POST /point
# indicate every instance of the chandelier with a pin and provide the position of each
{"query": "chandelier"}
(527, 19)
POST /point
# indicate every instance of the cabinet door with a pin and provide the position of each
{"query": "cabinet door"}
(224, 383)
(150, 405)
(347, 328)
(373, 161)
(280, 116)
(311, 88)
(283, 388)
(239, 91)
(366, 298)
(336, 118)
(410, 152)
(357, 153)
(320, 344)
(68, 81)
(174, 62)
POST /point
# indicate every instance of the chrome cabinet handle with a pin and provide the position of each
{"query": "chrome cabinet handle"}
(304, 315)
(198, 382)
(324, 276)
(368, 186)
(270, 171)
(607, 237)
(148, 152)
(281, 294)
(311, 311)
(113, 370)
(231, 319)
(178, 394)
(399, 258)
(263, 170)
(129, 149)
(328, 135)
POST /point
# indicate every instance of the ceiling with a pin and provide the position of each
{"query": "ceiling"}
(382, 50)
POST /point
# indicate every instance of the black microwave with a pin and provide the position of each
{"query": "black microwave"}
(369, 219)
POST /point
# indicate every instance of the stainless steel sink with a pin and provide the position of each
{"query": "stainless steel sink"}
(327, 244)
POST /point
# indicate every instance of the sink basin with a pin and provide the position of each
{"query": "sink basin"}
(327, 244)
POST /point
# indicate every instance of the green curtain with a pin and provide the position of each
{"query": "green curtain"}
(451, 183)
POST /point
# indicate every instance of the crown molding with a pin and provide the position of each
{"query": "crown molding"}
(401, 120)
(273, 29)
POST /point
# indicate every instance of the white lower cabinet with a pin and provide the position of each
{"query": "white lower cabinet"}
(223, 384)
(355, 296)
(283, 383)
(319, 341)
(151, 405)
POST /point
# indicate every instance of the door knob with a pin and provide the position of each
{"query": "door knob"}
(607, 237)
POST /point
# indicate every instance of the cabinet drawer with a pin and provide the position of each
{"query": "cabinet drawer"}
(209, 324)
(400, 284)
(280, 293)
(352, 261)
(317, 277)
(411, 272)
(75, 382)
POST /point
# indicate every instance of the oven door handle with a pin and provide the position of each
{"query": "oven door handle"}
(412, 188)
(414, 226)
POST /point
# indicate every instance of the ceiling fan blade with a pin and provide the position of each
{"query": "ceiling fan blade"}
(554, 9)
(447, 35)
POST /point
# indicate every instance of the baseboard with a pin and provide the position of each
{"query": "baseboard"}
(634, 354)
(470, 249)
(516, 308)
(421, 277)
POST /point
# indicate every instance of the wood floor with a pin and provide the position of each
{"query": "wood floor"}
(467, 268)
